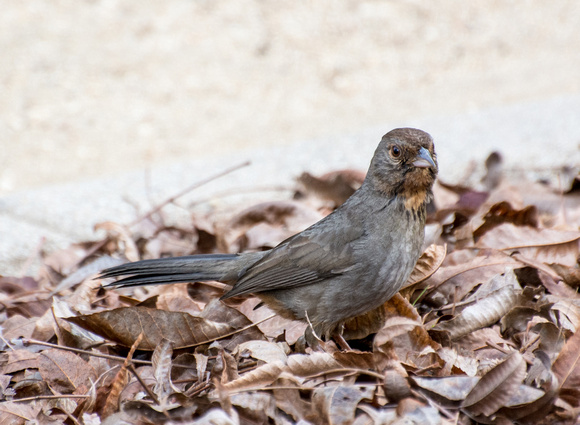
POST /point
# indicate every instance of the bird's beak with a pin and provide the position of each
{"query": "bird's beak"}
(423, 160)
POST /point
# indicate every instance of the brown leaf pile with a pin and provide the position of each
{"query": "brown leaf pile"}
(487, 330)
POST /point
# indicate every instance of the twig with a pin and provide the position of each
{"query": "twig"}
(302, 388)
(188, 189)
(233, 332)
(350, 370)
(131, 368)
(49, 397)
(88, 353)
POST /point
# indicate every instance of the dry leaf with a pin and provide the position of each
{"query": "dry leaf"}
(258, 378)
(567, 365)
(455, 280)
(123, 325)
(482, 314)
(161, 360)
(503, 212)
(546, 245)
(292, 216)
(428, 263)
(497, 386)
(268, 352)
(66, 372)
(337, 405)
(336, 186)
(570, 275)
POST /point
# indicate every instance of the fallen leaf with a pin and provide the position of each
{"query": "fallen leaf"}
(567, 365)
(336, 186)
(546, 245)
(65, 371)
(482, 314)
(337, 405)
(503, 212)
(497, 386)
(428, 263)
(123, 325)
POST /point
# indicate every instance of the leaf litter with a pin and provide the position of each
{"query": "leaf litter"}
(486, 330)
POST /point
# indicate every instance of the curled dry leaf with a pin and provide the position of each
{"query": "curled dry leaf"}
(314, 364)
(260, 377)
(503, 212)
(161, 360)
(567, 365)
(482, 314)
(373, 321)
(568, 313)
(274, 327)
(123, 326)
(337, 405)
(290, 216)
(450, 389)
(394, 327)
(336, 186)
(465, 363)
(428, 263)
(257, 407)
(268, 352)
(571, 275)
(497, 386)
(456, 280)
(120, 233)
(546, 245)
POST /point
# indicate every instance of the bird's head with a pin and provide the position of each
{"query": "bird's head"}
(405, 165)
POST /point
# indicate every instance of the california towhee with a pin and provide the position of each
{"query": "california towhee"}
(349, 263)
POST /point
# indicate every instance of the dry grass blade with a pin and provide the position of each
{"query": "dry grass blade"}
(496, 387)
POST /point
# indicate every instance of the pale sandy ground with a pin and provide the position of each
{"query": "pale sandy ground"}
(92, 92)
(94, 87)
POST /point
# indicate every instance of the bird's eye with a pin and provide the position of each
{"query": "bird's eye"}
(395, 151)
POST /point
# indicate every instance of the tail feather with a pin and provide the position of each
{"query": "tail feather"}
(221, 267)
(172, 270)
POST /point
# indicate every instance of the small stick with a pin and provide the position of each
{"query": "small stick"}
(188, 189)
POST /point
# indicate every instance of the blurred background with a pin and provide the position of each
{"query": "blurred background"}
(96, 88)
(108, 107)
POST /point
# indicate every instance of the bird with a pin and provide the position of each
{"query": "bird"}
(350, 262)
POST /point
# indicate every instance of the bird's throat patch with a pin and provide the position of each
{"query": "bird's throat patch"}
(415, 199)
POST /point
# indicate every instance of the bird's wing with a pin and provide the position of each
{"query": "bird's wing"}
(312, 256)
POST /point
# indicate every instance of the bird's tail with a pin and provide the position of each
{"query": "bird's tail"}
(220, 267)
